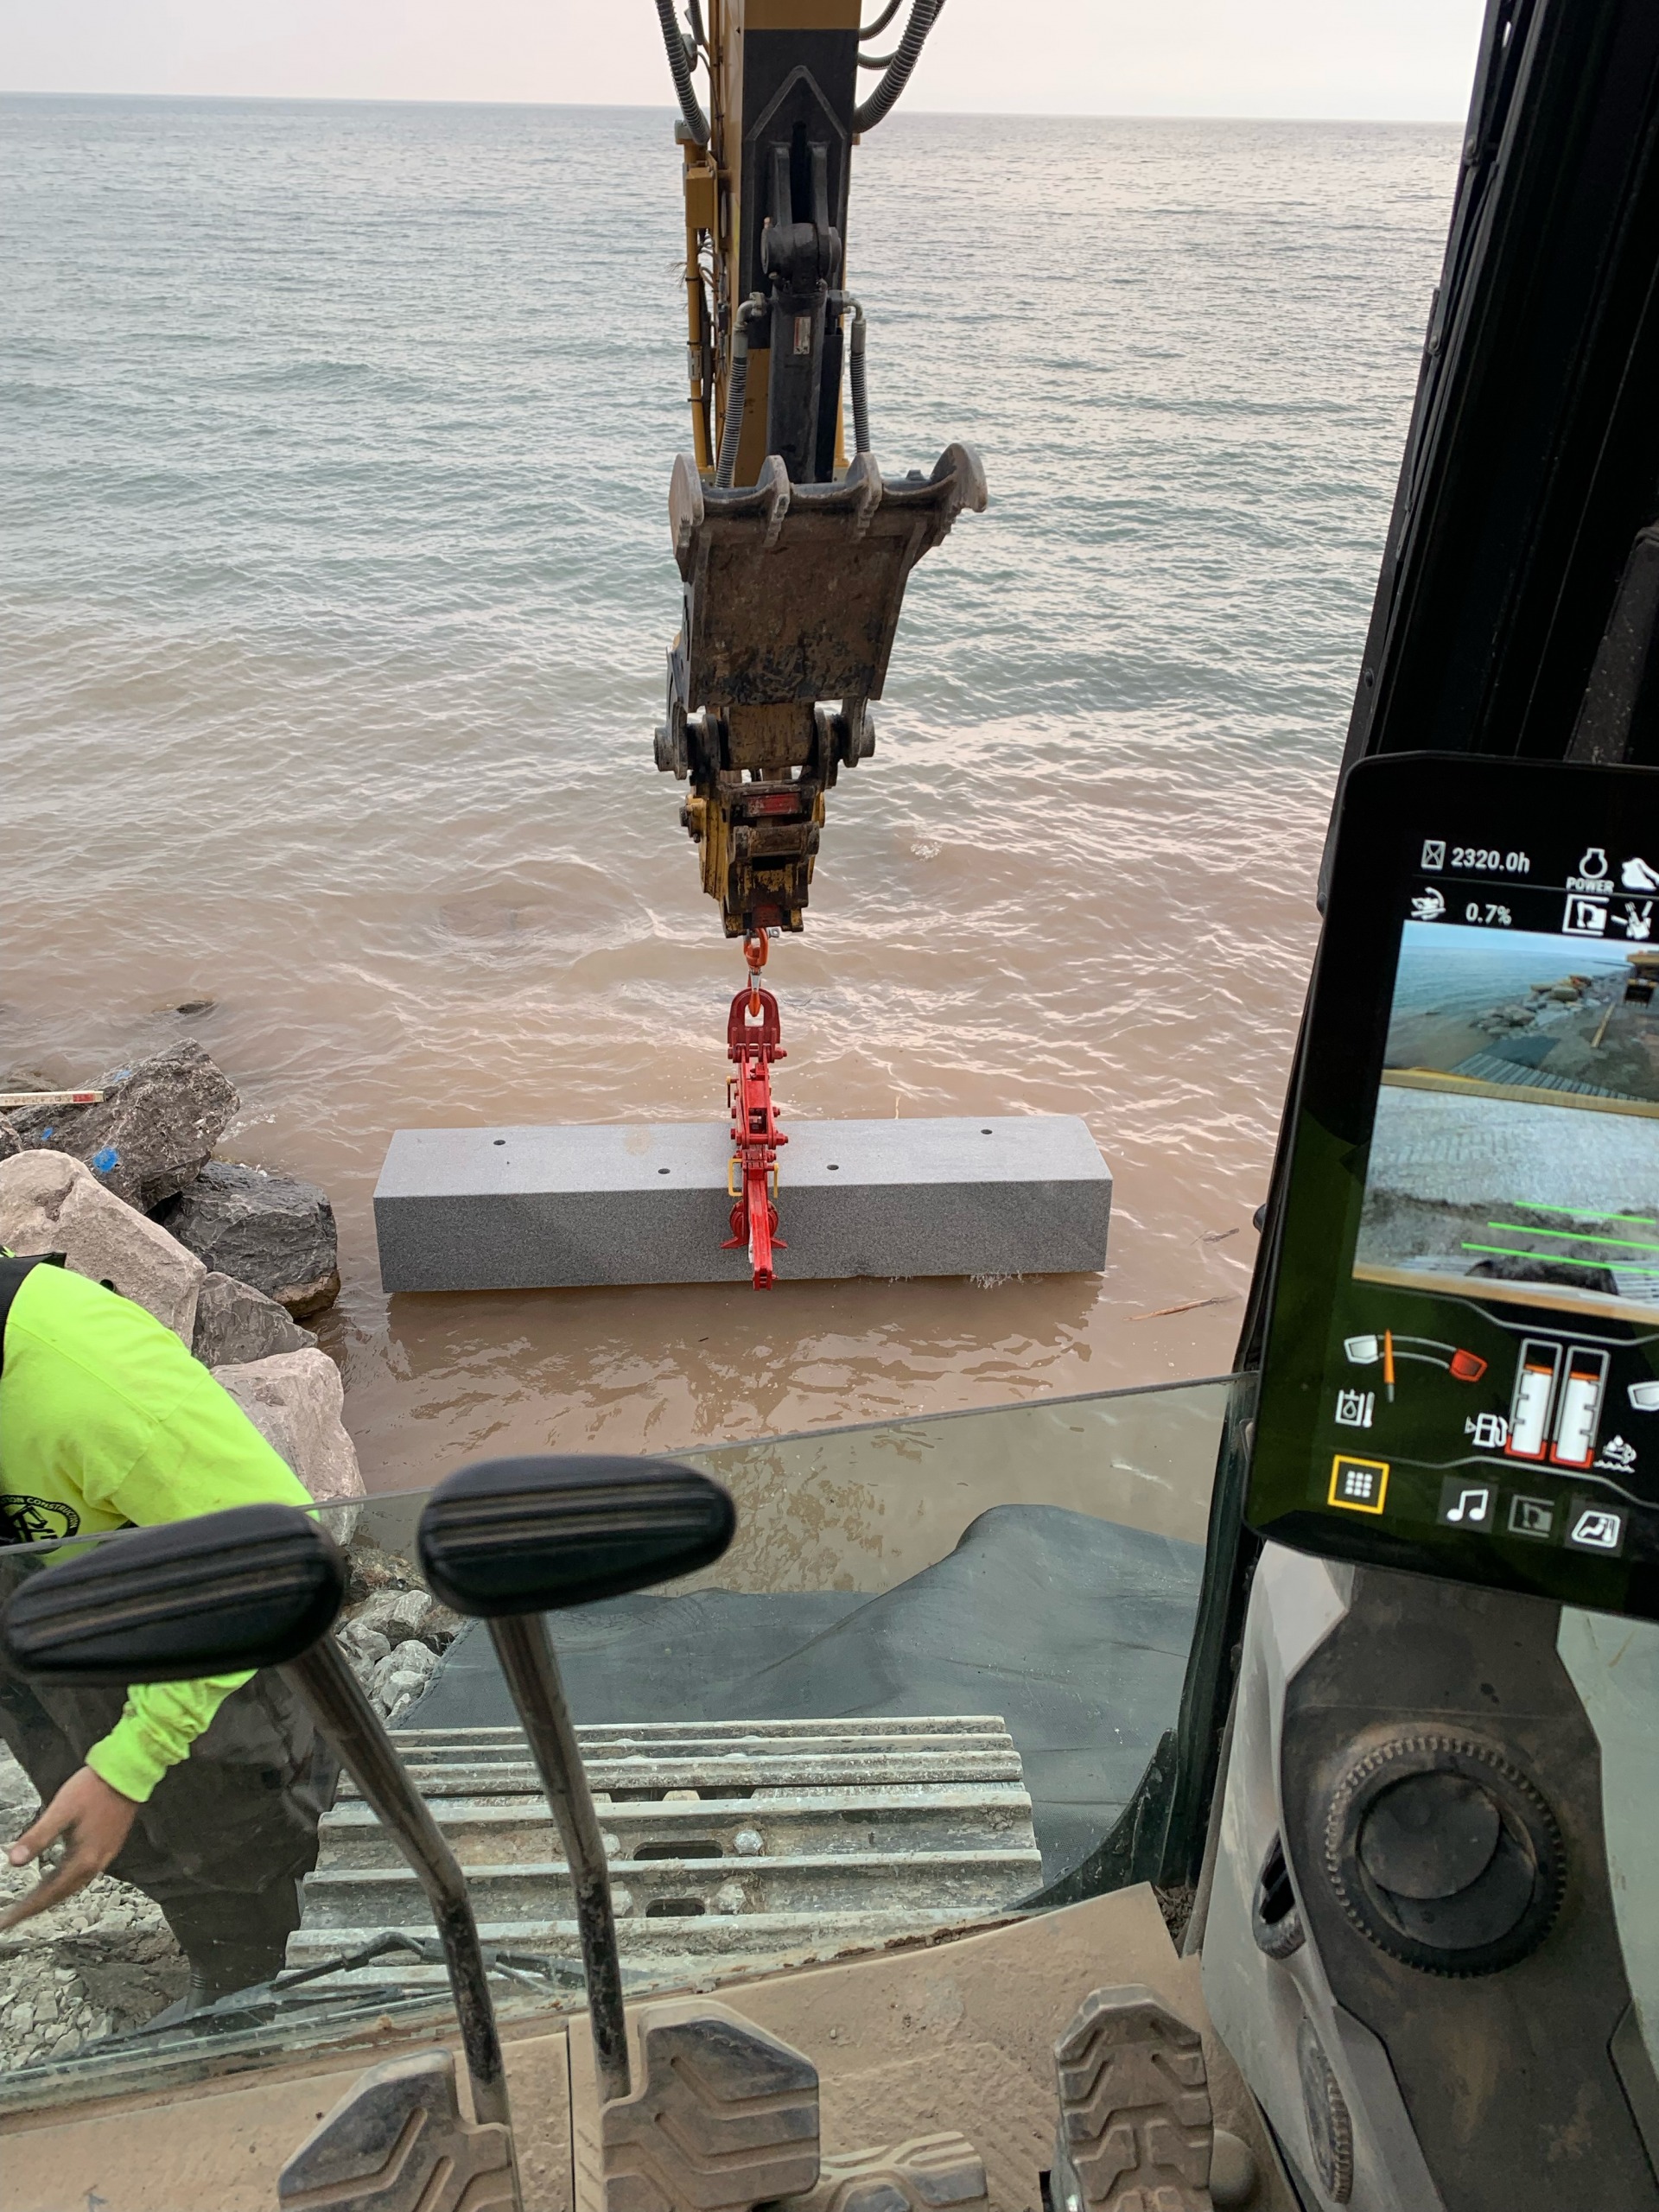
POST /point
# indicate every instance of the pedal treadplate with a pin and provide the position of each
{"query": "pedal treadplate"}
(1136, 2131)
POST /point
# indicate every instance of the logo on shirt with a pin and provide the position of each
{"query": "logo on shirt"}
(30, 1520)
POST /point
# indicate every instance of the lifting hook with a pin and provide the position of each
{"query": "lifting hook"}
(752, 1044)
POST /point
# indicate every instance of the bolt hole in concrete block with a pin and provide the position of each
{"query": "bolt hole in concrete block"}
(576, 1206)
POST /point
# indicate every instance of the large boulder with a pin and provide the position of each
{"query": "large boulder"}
(294, 1400)
(235, 1324)
(49, 1203)
(273, 1231)
(157, 1123)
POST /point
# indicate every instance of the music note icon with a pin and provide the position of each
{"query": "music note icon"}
(1466, 1505)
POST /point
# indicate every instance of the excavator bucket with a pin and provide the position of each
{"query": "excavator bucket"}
(792, 594)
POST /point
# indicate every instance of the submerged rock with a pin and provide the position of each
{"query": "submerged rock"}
(295, 1400)
(50, 1203)
(235, 1324)
(271, 1231)
(147, 1139)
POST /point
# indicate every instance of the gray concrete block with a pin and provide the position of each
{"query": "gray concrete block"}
(645, 1202)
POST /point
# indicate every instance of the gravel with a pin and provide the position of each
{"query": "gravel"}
(102, 1961)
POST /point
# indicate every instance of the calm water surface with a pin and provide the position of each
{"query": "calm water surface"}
(336, 587)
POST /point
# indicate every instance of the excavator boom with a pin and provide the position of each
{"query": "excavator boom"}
(793, 556)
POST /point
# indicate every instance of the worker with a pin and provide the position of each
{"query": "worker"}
(206, 1795)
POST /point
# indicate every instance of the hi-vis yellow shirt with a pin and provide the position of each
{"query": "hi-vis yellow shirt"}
(106, 1421)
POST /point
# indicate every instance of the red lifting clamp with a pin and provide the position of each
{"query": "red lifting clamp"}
(751, 1034)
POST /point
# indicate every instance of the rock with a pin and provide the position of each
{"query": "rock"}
(409, 1657)
(273, 1231)
(157, 1123)
(294, 1400)
(371, 1570)
(364, 1646)
(401, 1677)
(235, 1324)
(397, 1614)
(50, 1203)
(10, 1141)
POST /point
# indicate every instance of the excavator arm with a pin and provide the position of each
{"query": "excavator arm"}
(793, 555)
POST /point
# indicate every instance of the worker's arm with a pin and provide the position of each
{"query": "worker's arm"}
(207, 1456)
(141, 1433)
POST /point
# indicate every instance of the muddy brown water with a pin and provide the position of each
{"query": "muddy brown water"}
(338, 594)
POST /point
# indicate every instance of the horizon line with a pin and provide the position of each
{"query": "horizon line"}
(667, 108)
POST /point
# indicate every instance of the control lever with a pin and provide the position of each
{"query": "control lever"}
(260, 1585)
(508, 1539)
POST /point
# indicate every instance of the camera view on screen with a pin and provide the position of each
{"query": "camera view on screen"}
(1516, 1149)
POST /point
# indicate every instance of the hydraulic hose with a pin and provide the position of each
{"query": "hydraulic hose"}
(680, 69)
(737, 384)
(875, 29)
(855, 378)
(923, 16)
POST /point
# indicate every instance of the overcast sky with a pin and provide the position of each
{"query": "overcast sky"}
(1408, 59)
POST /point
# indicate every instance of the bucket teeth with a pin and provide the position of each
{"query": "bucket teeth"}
(791, 598)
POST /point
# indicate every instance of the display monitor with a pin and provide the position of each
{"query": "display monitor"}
(1462, 1365)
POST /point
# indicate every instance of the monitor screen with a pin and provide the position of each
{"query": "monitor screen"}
(1462, 1368)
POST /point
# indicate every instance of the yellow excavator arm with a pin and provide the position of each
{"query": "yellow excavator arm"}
(794, 555)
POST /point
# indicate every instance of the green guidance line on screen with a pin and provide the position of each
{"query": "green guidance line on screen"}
(1555, 1259)
(1576, 1236)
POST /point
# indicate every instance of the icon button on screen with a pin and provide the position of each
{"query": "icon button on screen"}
(1534, 1517)
(1592, 1527)
(1433, 851)
(1467, 1505)
(1360, 1486)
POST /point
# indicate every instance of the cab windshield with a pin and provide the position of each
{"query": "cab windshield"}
(916, 1694)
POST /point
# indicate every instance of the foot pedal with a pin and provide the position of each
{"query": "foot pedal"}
(930, 2173)
(1136, 2131)
(396, 2142)
(726, 2117)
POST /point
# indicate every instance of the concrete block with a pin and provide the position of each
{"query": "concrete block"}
(645, 1202)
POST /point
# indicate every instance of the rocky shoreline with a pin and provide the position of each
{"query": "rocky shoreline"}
(233, 1258)
(105, 1962)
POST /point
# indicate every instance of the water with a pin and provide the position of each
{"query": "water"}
(336, 589)
(1459, 972)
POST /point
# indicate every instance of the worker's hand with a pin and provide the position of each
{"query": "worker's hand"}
(94, 1819)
